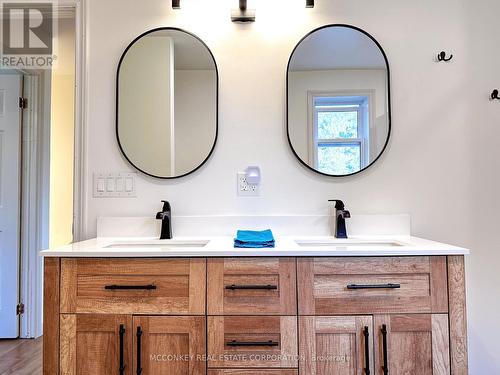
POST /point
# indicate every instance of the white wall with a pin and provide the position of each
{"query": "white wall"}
(301, 83)
(441, 165)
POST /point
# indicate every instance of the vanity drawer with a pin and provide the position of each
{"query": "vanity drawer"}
(252, 286)
(133, 286)
(253, 372)
(252, 341)
(332, 286)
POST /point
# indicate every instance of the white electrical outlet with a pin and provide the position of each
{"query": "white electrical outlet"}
(244, 188)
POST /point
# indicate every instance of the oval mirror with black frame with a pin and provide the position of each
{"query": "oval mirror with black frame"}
(167, 103)
(338, 100)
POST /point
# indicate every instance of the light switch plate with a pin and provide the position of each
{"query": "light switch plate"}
(114, 185)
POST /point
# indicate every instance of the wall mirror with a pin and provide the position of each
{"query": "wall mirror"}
(338, 100)
(167, 103)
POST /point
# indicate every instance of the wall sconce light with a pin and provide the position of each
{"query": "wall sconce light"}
(176, 4)
(309, 3)
(242, 14)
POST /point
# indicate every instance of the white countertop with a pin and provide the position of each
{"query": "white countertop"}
(285, 247)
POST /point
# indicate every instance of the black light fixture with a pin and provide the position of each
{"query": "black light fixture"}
(176, 4)
(243, 15)
(309, 3)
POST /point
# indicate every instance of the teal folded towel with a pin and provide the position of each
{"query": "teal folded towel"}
(254, 239)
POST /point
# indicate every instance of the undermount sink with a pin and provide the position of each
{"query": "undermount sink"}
(347, 243)
(159, 244)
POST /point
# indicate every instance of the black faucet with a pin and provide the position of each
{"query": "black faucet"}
(340, 215)
(166, 221)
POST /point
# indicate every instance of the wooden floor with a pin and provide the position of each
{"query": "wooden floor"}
(21, 357)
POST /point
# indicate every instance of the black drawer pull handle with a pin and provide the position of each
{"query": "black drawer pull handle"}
(385, 367)
(139, 348)
(122, 364)
(130, 287)
(373, 286)
(251, 287)
(366, 334)
(252, 343)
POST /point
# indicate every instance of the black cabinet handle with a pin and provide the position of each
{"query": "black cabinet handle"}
(250, 287)
(367, 350)
(130, 287)
(252, 343)
(373, 286)
(122, 364)
(385, 368)
(139, 345)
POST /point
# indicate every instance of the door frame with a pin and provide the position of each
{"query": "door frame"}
(34, 232)
(80, 187)
(31, 195)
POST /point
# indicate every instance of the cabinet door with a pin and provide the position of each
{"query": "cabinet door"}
(95, 344)
(169, 345)
(336, 345)
(412, 344)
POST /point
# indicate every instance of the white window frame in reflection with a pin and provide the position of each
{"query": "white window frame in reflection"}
(358, 101)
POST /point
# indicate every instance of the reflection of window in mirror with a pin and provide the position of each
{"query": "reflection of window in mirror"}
(339, 132)
(338, 102)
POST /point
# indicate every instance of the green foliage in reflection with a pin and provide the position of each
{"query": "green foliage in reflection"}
(337, 125)
(339, 159)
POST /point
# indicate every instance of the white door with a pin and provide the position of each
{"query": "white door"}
(10, 147)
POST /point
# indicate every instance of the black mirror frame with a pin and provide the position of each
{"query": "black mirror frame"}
(388, 98)
(216, 100)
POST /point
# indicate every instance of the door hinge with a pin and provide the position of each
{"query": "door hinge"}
(23, 103)
(20, 309)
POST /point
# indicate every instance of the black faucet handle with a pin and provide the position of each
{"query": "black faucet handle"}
(346, 214)
(339, 205)
(166, 206)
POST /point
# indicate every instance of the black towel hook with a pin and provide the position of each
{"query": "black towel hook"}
(442, 56)
(494, 95)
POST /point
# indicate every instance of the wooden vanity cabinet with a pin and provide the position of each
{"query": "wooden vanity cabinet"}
(101, 331)
(322, 316)
(414, 308)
